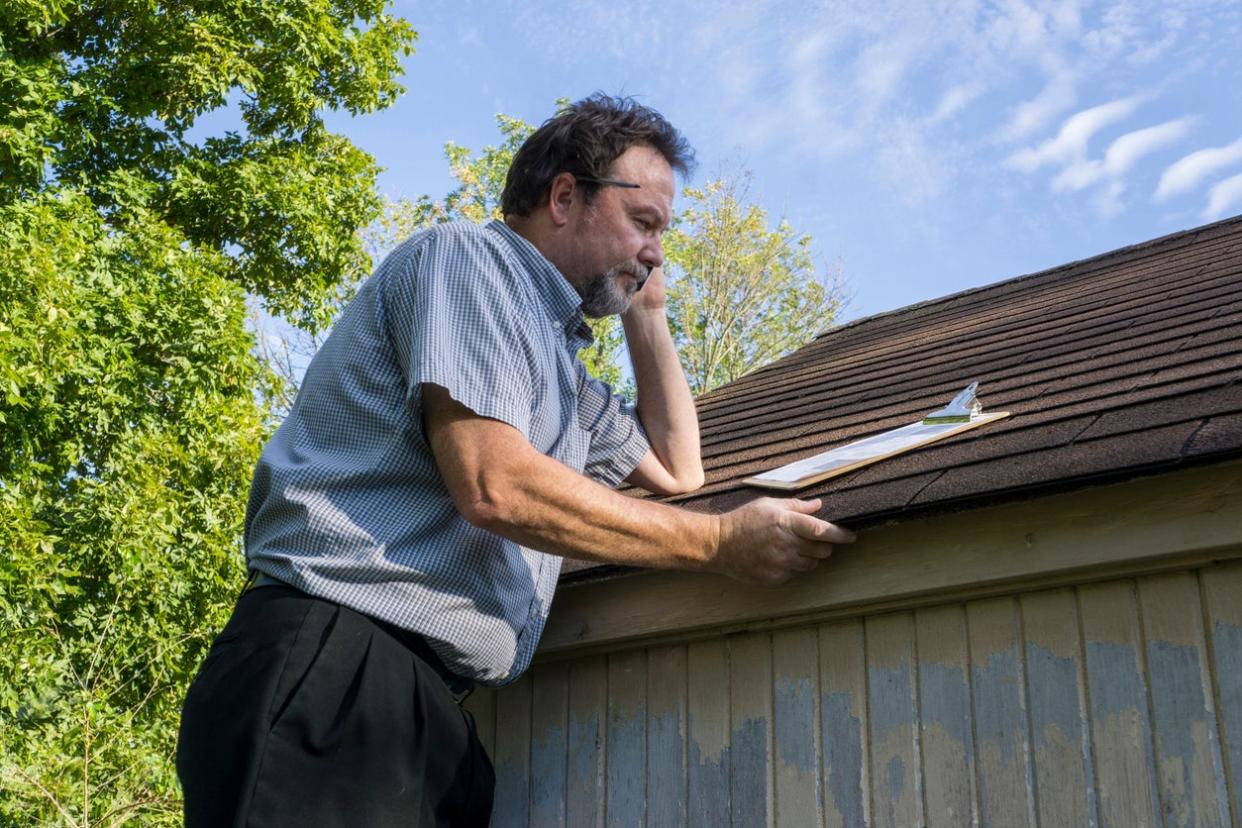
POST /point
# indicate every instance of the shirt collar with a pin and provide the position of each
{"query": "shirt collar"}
(563, 303)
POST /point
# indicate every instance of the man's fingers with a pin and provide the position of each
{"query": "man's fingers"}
(821, 531)
(804, 564)
(806, 507)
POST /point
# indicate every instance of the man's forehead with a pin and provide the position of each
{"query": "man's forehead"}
(647, 168)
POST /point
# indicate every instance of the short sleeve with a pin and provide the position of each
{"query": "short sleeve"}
(453, 307)
(618, 442)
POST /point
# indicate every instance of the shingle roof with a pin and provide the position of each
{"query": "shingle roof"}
(1121, 364)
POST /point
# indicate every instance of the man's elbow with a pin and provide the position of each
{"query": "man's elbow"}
(484, 505)
(685, 482)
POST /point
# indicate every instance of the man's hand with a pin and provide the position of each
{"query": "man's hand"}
(652, 296)
(768, 541)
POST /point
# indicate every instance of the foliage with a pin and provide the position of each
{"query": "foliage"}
(129, 417)
(741, 294)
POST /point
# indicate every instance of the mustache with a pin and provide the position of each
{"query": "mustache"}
(633, 268)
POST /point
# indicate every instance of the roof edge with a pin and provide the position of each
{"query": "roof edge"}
(966, 504)
(1132, 248)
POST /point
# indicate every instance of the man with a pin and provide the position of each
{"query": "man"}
(446, 448)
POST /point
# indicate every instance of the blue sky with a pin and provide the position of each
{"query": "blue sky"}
(926, 146)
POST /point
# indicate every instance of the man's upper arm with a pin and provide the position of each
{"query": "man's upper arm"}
(455, 318)
(469, 450)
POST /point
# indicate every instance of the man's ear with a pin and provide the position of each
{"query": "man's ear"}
(561, 197)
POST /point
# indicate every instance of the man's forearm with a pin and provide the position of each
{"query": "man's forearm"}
(550, 507)
(500, 483)
(665, 406)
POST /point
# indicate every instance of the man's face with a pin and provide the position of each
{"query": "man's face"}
(619, 234)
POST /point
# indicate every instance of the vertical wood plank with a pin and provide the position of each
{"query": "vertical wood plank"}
(795, 666)
(627, 738)
(666, 736)
(998, 686)
(1117, 700)
(482, 705)
(843, 724)
(1222, 594)
(1056, 687)
(588, 711)
(512, 759)
(944, 717)
(896, 783)
(750, 728)
(1191, 771)
(708, 752)
(549, 748)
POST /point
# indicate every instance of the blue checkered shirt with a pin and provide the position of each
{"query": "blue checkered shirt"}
(347, 502)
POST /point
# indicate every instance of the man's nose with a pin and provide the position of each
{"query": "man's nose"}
(652, 254)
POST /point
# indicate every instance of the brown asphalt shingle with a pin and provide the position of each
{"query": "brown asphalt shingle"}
(1122, 364)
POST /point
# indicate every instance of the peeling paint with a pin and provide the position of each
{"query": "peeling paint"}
(548, 777)
(843, 756)
(895, 778)
(945, 700)
(1186, 730)
(1227, 647)
(1004, 775)
(627, 766)
(1054, 694)
(1122, 737)
(946, 747)
(998, 705)
(750, 772)
(891, 693)
(795, 724)
(583, 769)
(1114, 678)
(708, 801)
(1062, 745)
(666, 784)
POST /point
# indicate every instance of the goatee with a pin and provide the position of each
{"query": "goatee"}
(602, 295)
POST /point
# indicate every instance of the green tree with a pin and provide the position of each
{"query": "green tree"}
(741, 293)
(129, 418)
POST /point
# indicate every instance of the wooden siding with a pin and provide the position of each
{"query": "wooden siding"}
(1116, 703)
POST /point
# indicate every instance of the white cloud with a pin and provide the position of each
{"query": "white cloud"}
(1223, 197)
(954, 100)
(1070, 143)
(1125, 152)
(1120, 157)
(1078, 175)
(1058, 95)
(1187, 173)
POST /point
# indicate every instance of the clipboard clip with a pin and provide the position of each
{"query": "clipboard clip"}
(962, 409)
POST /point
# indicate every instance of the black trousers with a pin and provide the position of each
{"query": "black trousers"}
(306, 713)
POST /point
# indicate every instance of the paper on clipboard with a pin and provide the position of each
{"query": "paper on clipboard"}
(866, 451)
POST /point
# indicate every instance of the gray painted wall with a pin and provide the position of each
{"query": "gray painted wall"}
(1110, 704)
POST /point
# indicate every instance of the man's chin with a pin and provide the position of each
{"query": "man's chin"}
(603, 296)
(615, 309)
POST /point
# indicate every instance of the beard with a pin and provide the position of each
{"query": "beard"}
(603, 296)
